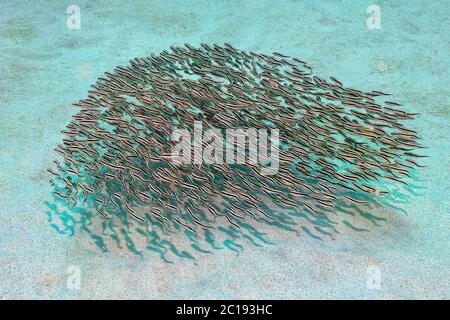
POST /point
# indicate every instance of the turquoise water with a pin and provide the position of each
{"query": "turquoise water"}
(45, 67)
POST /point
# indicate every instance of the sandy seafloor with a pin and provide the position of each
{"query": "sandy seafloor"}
(44, 67)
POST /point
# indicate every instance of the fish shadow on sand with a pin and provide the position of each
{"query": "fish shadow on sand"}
(124, 233)
(118, 182)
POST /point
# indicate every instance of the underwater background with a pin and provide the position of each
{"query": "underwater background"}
(46, 66)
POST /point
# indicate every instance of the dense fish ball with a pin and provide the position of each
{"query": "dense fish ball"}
(336, 143)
